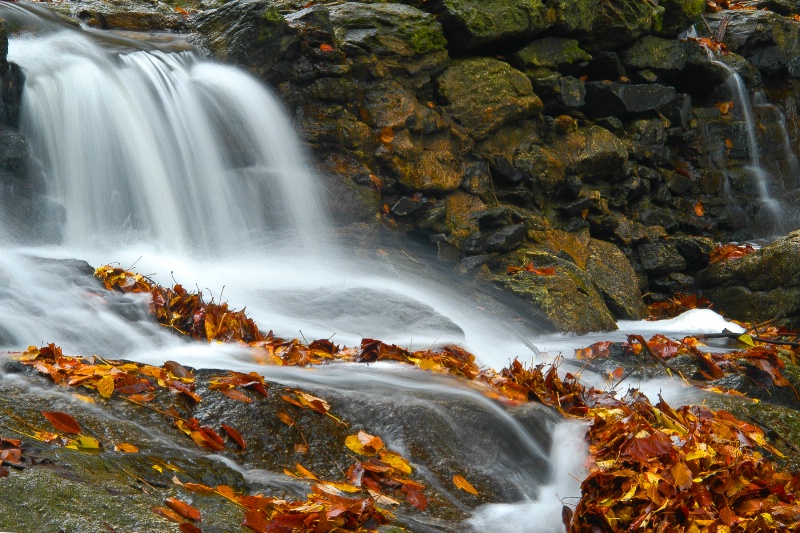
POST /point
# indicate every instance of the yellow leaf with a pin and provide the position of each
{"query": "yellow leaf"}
(126, 448)
(158, 468)
(306, 473)
(464, 485)
(105, 386)
(746, 339)
(354, 444)
(86, 443)
(396, 461)
(84, 398)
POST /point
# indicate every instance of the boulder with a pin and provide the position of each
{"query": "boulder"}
(130, 15)
(616, 281)
(483, 94)
(679, 15)
(621, 22)
(551, 52)
(574, 17)
(249, 33)
(501, 240)
(759, 286)
(665, 57)
(565, 300)
(430, 163)
(591, 152)
(661, 258)
(604, 98)
(469, 24)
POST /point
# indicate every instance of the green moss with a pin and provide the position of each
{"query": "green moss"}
(427, 39)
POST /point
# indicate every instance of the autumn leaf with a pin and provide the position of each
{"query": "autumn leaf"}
(256, 520)
(188, 527)
(183, 509)
(235, 435)
(105, 386)
(326, 48)
(286, 419)
(363, 443)
(464, 485)
(167, 513)
(387, 135)
(62, 422)
(724, 107)
(126, 448)
(304, 472)
(699, 209)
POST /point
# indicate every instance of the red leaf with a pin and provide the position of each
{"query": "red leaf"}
(256, 520)
(186, 527)
(417, 499)
(62, 422)
(235, 435)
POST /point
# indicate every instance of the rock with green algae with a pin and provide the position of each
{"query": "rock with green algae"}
(591, 152)
(620, 22)
(563, 300)
(616, 280)
(131, 15)
(99, 489)
(470, 24)
(759, 286)
(483, 94)
(665, 57)
(679, 15)
(249, 33)
(550, 52)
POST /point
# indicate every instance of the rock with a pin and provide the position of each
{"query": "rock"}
(759, 286)
(695, 250)
(767, 40)
(386, 30)
(497, 218)
(566, 301)
(129, 15)
(460, 212)
(604, 65)
(616, 281)
(665, 57)
(661, 258)
(388, 104)
(495, 241)
(483, 94)
(574, 17)
(541, 168)
(621, 22)
(679, 15)
(469, 24)
(429, 163)
(249, 33)
(604, 98)
(591, 152)
(551, 52)
(646, 141)
(678, 110)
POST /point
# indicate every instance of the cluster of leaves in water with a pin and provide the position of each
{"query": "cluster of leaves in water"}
(654, 468)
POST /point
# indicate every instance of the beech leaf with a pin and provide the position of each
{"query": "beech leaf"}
(62, 422)
(464, 485)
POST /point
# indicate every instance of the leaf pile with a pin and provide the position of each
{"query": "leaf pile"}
(730, 251)
(183, 311)
(659, 469)
(675, 305)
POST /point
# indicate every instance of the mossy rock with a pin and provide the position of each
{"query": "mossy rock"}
(470, 24)
(616, 280)
(565, 300)
(620, 22)
(550, 52)
(679, 15)
(483, 94)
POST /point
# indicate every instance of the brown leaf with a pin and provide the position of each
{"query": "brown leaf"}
(286, 419)
(62, 422)
(169, 514)
(304, 472)
(197, 487)
(417, 499)
(235, 435)
(256, 520)
(187, 527)
(699, 208)
(183, 509)
(236, 394)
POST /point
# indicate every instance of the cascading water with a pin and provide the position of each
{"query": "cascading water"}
(192, 169)
(770, 179)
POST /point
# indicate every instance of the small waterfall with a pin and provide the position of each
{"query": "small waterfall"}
(164, 148)
(770, 217)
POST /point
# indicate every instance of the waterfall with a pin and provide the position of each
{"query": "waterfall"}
(163, 147)
(771, 218)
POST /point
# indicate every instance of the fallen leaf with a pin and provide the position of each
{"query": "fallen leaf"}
(235, 435)
(464, 485)
(62, 422)
(183, 509)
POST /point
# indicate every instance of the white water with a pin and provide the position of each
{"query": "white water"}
(191, 171)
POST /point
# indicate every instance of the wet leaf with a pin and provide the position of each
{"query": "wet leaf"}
(286, 419)
(464, 485)
(62, 422)
(87, 443)
(188, 527)
(235, 435)
(304, 472)
(105, 386)
(699, 209)
(256, 520)
(183, 509)
(167, 513)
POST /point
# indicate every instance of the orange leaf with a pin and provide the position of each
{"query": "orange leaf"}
(256, 520)
(187, 527)
(699, 209)
(464, 485)
(304, 472)
(235, 435)
(126, 448)
(183, 509)
(236, 394)
(62, 422)
(724, 107)
(169, 514)
(325, 47)
(387, 135)
(197, 487)
(286, 419)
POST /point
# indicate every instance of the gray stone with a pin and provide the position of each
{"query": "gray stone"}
(551, 52)
(616, 281)
(604, 98)
(661, 258)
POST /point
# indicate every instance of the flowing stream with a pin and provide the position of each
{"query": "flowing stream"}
(190, 171)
